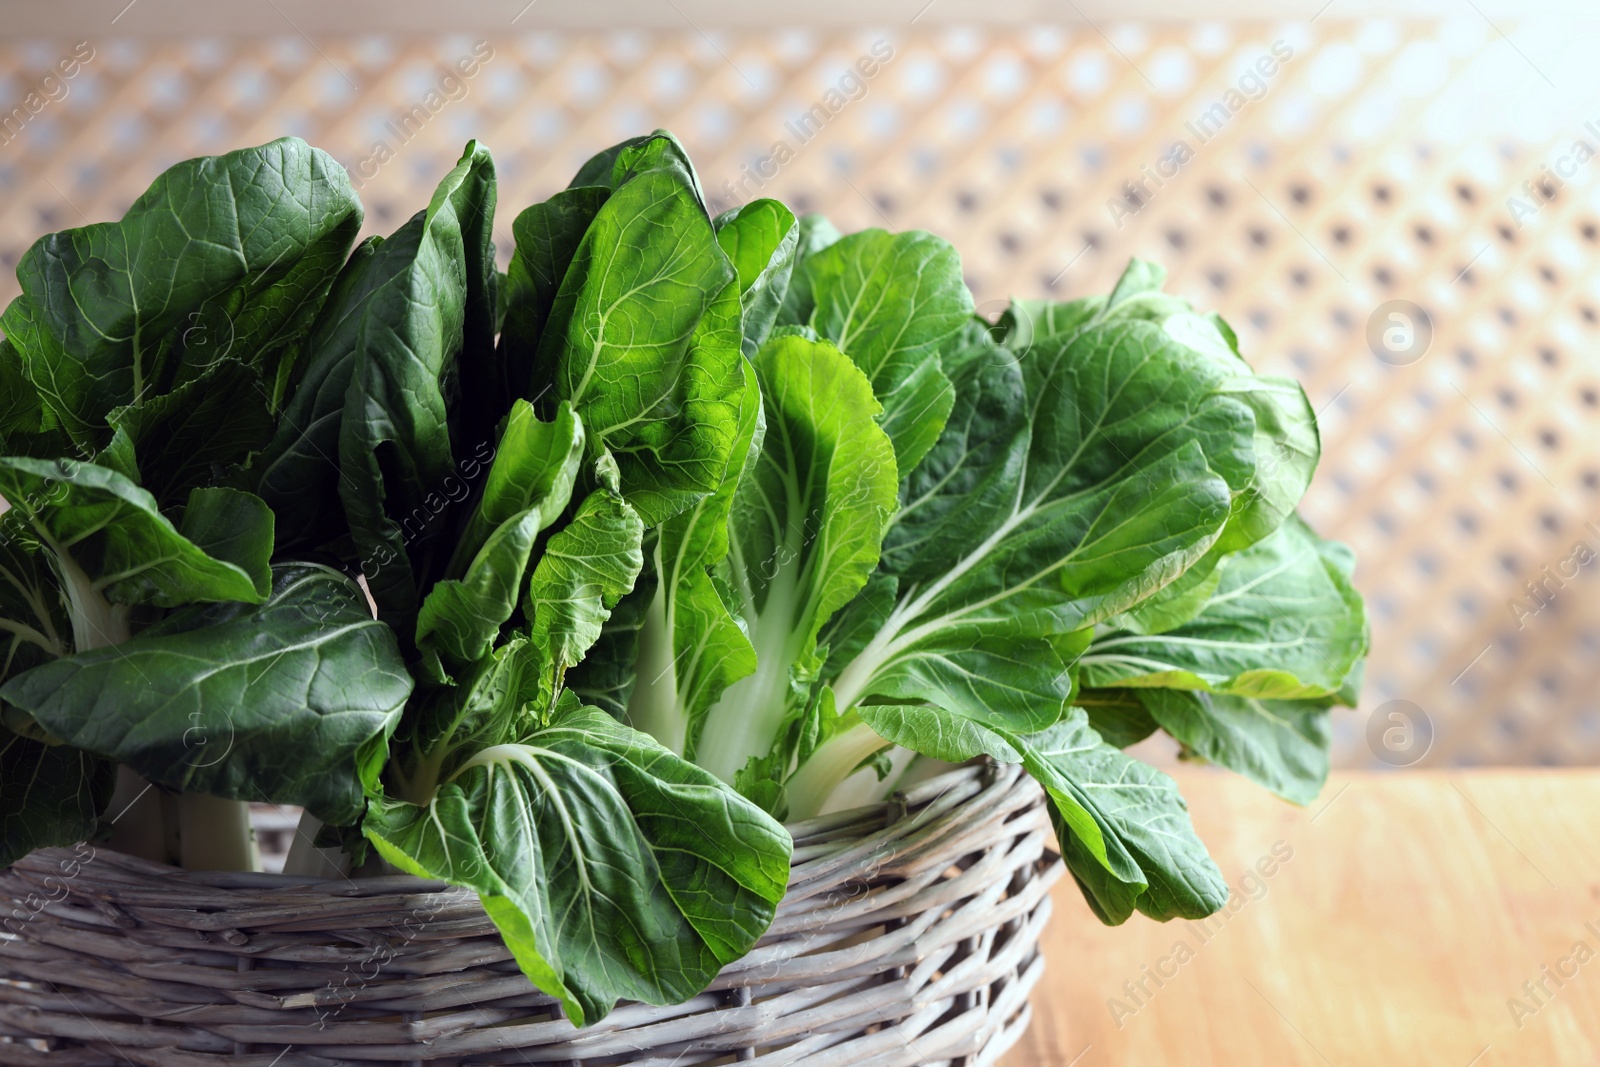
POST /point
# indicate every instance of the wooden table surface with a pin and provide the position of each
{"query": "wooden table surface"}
(1407, 918)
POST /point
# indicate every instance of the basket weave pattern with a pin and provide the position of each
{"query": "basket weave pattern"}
(909, 936)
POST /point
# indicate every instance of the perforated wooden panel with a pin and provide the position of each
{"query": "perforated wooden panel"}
(1317, 193)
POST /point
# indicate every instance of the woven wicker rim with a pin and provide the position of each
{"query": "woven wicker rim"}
(908, 936)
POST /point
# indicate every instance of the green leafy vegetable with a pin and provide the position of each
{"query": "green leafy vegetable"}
(644, 334)
(770, 499)
(525, 492)
(760, 239)
(99, 525)
(891, 302)
(809, 522)
(396, 446)
(1279, 744)
(612, 867)
(225, 257)
(1283, 623)
(292, 700)
(49, 795)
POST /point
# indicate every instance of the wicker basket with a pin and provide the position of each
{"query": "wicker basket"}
(909, 935)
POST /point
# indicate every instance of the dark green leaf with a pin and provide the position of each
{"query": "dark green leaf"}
(605, 678)
(112, 531)
(526, 490)
(234, 527)
(397, 457)
(291, 701)
(26, 428)
(224, 256)
(33, 622)
(49, 795)
(485, 391)
(1117, 715)
(188, 437)
(1279, 744)
(298, 472)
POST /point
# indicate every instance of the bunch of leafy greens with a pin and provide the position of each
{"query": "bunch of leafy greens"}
(1039, 542)
(682, 525)
(144, 364)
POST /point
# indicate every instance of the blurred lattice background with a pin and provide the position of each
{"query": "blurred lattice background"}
(1375, 162)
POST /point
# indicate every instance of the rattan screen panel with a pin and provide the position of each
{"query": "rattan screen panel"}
(1457, 478)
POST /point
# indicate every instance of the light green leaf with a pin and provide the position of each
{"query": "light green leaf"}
(815, 234)
(690, 646)
(1019, 683)
(291, 701)
(1029, 322)
(891, 302)
(1287, 448)
(806, 527)
(1047, 517)
(613, 869)
(644, 334)
(535, 466)
(547, 237)
(1175, 604)
(1138, 807)
(1269, 477)
(1283, 624)
(760, 238)
(526, 490)
(587, 566)
(1124, 830)
(938, 734)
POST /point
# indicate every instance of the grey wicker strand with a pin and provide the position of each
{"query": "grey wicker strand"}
(909, 936)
